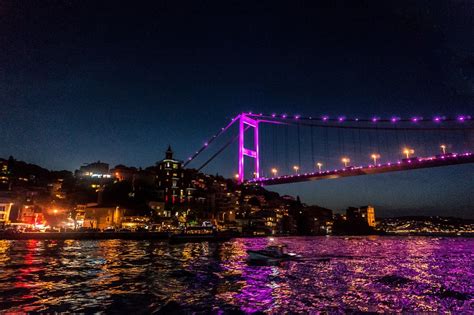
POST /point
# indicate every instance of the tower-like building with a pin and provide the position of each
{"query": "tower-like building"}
(169, 178)
(362, 214)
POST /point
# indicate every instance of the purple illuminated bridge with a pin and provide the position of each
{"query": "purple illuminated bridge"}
(437, 137)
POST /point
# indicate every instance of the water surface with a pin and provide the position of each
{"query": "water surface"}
(336, 274)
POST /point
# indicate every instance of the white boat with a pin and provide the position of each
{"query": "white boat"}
(271, 253)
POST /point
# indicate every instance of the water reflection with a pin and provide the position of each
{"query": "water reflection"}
(372, 274)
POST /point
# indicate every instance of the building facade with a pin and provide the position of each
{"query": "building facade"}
(103, 217)
(362, 214)
(169, 178)
(5, 208)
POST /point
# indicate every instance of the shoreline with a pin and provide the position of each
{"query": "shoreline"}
(167, 235)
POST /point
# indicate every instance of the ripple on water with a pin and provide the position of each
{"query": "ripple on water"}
(336, 274)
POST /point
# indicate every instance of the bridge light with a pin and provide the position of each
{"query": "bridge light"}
(296, 168)
(319, 165)
(408, 151)
(274, 172)
(375, 157)
(346, 161)
(443, 149)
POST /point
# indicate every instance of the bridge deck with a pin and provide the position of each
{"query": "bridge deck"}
(403, 165)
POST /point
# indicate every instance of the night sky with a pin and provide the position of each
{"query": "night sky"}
(82, 81)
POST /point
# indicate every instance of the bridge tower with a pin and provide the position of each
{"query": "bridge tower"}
(245, 123)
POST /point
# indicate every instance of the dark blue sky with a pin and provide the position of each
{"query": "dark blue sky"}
(82, 81)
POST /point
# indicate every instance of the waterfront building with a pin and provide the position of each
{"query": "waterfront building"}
(159, 210)
(135, 222)
(99, 217)
(5, 208)
(31, 214)
(362, 214)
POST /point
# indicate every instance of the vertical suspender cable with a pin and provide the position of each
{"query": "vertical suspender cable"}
(299, 146)
(353, 143)
(312, 147)
(360, 144)
(326, 146)
(287, 149)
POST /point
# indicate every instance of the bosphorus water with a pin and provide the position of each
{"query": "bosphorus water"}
(336, 274)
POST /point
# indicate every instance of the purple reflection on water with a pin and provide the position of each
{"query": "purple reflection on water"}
(336, 274)
(370, 274)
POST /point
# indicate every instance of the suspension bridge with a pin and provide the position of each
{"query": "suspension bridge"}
(285, 149)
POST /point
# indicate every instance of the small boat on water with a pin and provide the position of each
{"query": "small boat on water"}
(271, 253)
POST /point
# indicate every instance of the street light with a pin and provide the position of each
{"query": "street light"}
(345, 160)
(408, 151)
(296, 168)
(319, 165)
(375, 156)
(274, 172)
(443, 148)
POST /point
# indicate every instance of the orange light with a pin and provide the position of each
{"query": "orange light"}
(345, 160)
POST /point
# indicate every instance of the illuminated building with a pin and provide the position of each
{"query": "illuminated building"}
(158, 208)
(30, 214)
(94, 170)
(169, 178)
(5, 208)
(122, 172)
(135, 222)
(103, 217)
(364, 214)
(4, 179)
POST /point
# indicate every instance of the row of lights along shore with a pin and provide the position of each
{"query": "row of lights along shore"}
(345, 160)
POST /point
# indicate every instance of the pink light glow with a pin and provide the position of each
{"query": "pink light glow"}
(244, 120)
